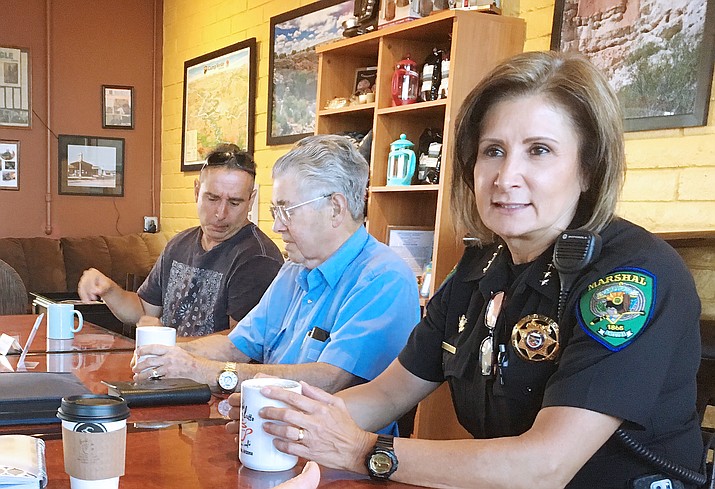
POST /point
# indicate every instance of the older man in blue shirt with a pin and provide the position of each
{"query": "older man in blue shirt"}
(340, 309)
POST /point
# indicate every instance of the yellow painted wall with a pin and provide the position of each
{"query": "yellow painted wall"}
(670, 185)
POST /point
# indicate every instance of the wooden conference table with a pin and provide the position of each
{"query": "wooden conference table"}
(167, 447)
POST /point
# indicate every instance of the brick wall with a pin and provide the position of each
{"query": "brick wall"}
(671, 173)
(671, 176)
(193, 28)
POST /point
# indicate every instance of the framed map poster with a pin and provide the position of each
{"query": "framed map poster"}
(219, 102)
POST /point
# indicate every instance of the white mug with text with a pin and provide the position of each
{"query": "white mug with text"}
(255, 447)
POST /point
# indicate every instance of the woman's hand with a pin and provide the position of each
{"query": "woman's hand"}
(317, 426)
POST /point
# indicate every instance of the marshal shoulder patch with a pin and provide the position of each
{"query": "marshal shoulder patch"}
(615, 309)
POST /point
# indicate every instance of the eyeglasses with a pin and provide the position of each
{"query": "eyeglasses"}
(486, 348)
(240, 160)
(283, 213)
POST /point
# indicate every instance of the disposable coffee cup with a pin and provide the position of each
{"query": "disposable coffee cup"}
(154, 335)
(94, 436)
(255, 448)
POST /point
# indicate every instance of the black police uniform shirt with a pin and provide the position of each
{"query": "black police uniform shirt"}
(628, 346)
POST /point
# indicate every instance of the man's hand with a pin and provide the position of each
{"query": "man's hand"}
(172, 362)
(308, 479)
(93, 285)
(149, 321)
(234, 426)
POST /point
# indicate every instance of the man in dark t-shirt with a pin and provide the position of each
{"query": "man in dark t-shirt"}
(208, 277)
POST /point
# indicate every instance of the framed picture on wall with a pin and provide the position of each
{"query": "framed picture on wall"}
(90, 165)
(15, 93)
(9, 165)
(219, 102)
(413, 244)
(657, 55)
(117, 107)
(293, 66)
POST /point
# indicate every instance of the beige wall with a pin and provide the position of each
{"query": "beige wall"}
(671, 176)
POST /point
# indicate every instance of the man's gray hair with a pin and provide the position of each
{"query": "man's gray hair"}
(327, 164)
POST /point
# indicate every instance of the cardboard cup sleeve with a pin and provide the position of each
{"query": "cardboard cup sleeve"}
(94, 456)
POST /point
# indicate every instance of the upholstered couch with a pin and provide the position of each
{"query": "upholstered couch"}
(54, 265)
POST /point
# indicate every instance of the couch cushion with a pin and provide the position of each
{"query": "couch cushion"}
(45, 264)
(129, 255)
(83, 253)
(156, 242)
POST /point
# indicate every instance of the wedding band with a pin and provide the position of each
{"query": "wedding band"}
(154, 374)
(301, 434)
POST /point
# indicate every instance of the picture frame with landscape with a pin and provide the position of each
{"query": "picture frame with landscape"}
(657, 56)
(219, 102)
(90, 165)
(293, 66)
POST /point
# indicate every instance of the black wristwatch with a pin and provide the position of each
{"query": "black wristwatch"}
(381, 462)
(228, 378)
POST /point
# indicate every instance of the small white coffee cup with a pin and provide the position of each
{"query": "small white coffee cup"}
(255, 447)
(60, 321)
(154, 335)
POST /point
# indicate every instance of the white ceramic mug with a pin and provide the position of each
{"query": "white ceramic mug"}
(154, 335)
(60, 321)
(255, 447)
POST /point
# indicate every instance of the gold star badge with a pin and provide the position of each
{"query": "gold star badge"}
(536, 338)
(462, 323)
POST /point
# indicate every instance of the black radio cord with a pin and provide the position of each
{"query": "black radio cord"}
(670, 468)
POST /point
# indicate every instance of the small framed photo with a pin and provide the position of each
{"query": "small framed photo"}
(151, 224)
(117, 107)
(365, 80)
(9, 165)
(15, 89)
(413, 244)
(90, 165)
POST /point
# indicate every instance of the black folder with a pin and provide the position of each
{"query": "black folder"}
(160, 392)
(33, 397)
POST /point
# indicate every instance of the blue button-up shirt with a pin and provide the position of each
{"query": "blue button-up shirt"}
(364, 296)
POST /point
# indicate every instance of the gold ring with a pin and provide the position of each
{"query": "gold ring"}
(301, 434)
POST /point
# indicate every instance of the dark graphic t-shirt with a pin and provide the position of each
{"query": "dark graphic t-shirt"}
(198, 289)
